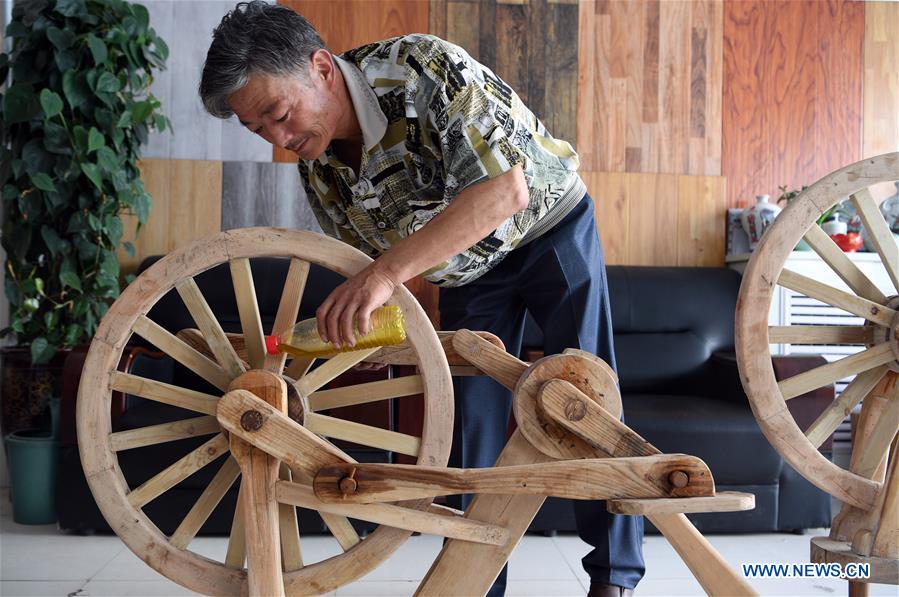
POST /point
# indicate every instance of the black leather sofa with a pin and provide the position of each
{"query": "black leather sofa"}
(680, 388)
(674, 338)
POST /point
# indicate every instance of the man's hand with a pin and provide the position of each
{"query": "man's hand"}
(350, 305)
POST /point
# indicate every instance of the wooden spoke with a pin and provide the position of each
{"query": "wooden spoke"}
(177, 472)
(288, 309)
(844, 267)
(339, 526)
(828, 421)
(831, 372)
(248, 308)
(876, 444)
(209, 325)
(820, 334)
(291, 555)
(206, 503)
(165, 341)
(298, 367)
(837, 298)
(335, 366)
(878, 233)
(166, 432)
(366, 392)
(365, 435)
(396, 516)
(163, 392)
(236, 555)
(722, 501)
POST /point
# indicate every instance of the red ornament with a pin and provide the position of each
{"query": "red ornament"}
(849, 242)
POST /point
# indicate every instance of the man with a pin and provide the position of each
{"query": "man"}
(424, 159)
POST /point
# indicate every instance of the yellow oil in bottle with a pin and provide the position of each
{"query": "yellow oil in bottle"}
(302, 340)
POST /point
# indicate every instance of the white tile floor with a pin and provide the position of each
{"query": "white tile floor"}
(38, 560)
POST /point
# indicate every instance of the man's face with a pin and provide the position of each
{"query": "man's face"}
(296, 113)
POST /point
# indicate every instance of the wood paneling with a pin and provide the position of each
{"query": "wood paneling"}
(187, 203)
(197, 135)
(792, 93)
(256, 194)
(650, 75)
(659, 219)
(349, 24)
(881, 95)
(530, 44)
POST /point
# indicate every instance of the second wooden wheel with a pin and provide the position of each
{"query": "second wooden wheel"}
(122, 505)
(873, 366)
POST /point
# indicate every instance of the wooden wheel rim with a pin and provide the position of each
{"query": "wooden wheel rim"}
(751, 333)
(100, 463)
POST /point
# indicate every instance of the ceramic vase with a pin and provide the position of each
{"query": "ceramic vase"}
(757, 218)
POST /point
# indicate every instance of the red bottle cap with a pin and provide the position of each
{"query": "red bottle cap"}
(271, 344)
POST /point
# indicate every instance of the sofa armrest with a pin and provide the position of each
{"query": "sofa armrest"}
(71, 380)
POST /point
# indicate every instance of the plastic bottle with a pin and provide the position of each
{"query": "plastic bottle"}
(302, 340)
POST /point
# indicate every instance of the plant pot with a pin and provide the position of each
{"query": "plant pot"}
(33, 455)
(25, 389)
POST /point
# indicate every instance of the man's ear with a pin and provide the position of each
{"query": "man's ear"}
(322, 65)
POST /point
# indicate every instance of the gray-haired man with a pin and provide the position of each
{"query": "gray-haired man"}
(421, 157)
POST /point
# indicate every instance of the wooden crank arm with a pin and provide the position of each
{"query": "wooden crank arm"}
(662, 475)
(402, 354)
(265, 427)
(562, 402)
(489, 358)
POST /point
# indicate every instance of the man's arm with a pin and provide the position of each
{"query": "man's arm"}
(470, 217)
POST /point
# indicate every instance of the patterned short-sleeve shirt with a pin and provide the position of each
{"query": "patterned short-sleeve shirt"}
(435, 122)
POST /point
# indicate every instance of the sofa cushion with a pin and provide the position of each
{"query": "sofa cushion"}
(723, 434)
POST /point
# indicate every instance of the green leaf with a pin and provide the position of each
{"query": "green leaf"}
(80, 134)
(142, 205)
(159, 122)
(75, 88)
(93, 173)
(108, 83)
(10, 192)
(124, 119)
(162, 48)
(51, 318)
(56, 245)
(95, 140)
(73, 333)
(36, 157)
(98, 49)
(39, 286)
(71, 8)
(60, 38)
(20, 104)
(41, 351)
(129, 248)
(43, 182)
(108, 160)
(51, 103)
(113, 228)
(65, 60)
(110, 267)
(70, 280)
(142, 15)
(94, 221)
(141, 110)
(56, 139)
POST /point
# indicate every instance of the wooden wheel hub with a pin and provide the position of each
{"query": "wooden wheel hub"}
(881, 334)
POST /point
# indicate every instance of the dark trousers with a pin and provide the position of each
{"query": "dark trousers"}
(561, 279)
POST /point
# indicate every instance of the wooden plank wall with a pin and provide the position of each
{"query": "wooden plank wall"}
(792, 93)
(650, 75)
(678, 108)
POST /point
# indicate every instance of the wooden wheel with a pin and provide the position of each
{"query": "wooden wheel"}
(122, 505)
(873, 366)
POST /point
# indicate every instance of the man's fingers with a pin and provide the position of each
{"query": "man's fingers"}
(347, 321)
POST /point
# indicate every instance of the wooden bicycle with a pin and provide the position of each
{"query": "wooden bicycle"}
(866, 531)
(569, 442)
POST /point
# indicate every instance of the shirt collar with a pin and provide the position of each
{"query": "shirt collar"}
(371, 119)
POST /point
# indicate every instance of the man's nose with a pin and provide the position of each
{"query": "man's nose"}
(279, 135)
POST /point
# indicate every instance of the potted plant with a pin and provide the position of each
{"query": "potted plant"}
(72, 121)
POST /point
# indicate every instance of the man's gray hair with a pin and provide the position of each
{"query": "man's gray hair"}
(255, 37)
